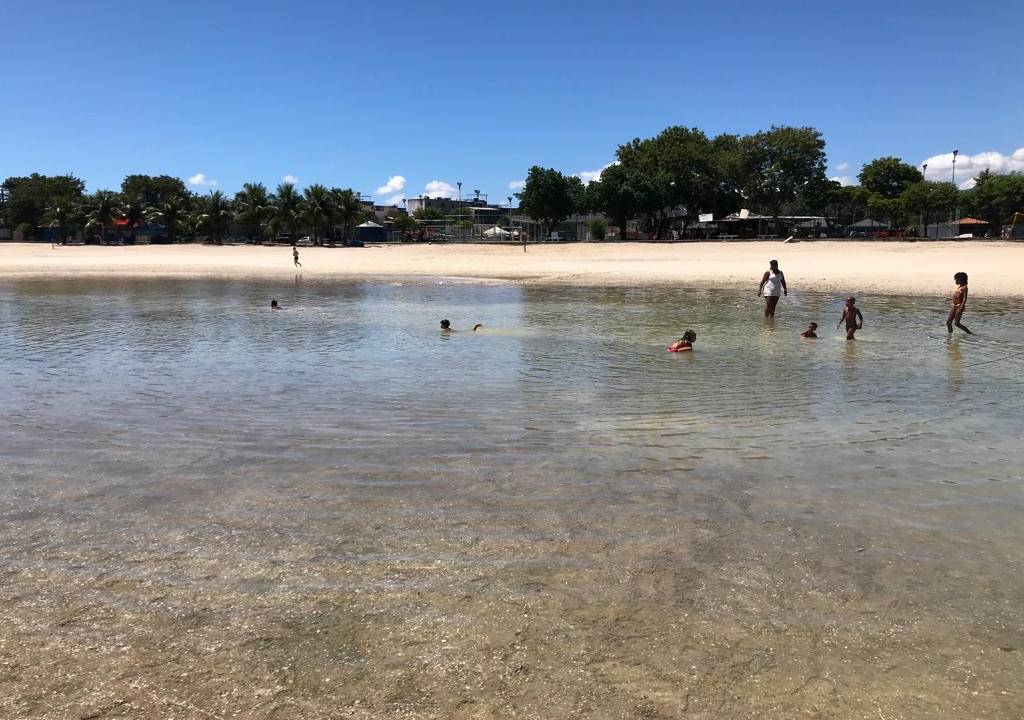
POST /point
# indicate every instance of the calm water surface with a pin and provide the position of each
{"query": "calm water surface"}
(553, 517)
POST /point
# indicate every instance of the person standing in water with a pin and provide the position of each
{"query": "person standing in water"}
(959, 304)
(773, 286)
(852, 317)
(295, 256)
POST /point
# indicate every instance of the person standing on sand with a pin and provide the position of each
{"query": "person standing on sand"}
(295, 256)
(959, 304)
(773, 286)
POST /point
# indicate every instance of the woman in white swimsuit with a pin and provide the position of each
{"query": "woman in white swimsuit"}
(773, 286)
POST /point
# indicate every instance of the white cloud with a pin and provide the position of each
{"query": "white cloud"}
(517, 185)
(589, 176)
(395, 184)
(439, 189)
(940, 167)
(394, 200)
(290, 179)
(843, 180)
(200, 180)
(843, 166)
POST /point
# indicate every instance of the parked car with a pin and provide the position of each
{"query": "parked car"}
(305, 242)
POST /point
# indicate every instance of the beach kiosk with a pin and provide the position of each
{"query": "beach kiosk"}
(370, 231)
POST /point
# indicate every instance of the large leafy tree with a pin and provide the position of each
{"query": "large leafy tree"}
(550, 197)
(996, 197)
(613, 195)
(253, 207)
(287, 209)
(27, 198)
(153, 189)
(216, 215)
(778, 164)
(318, 210)
(134, 210)
(888, 177)
(927, 202)
(66, 216)
(348, 209)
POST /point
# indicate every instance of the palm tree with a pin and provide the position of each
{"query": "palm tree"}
(253, 207)
(65, 215)
(348, 209)
(287, 209)
(103, 211)
(215, 215)
(318, 209)
(172, 214)
(134, 210)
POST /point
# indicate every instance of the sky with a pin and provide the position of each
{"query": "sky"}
(396, 99)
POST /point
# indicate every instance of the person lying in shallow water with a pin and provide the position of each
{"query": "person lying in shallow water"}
(446, 327)
(274, 305)
(685, 343)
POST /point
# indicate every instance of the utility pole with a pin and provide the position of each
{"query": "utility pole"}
(956, 204)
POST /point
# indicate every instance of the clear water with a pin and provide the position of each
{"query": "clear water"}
(137, 415)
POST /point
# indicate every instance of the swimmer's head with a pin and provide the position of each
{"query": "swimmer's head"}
(851, 300)
(477, 327)
(445, 325)
(960, 278)
(812, 326)
(689, 336)
(273, 304)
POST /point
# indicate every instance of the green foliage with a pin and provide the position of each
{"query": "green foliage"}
(215, 215)
(317, 210)
(550, 197)
(348, 209)
(253, 207)
(428, 214)
(888, 177)
(401, 221)
(996, 197)
(614, 196)
(67, 217)
(928, 202)
(172, 213)
(27, 198)
(103, 209)
(598, 228)
(153, 189)
(287, 210)
(778, 164)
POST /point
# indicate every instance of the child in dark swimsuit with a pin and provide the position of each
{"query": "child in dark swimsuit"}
(852, 317)
(811, 331)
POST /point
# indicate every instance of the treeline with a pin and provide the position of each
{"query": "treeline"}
(60, 203)
(665, 182)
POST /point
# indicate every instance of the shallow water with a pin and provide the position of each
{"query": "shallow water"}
(179, 440)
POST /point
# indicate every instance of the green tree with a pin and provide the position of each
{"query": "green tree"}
(134, 210)
(428, 214)
(103, 210)
(287, 205)
(777, 164)
(172, 214)
(348, 210)
(996, 197)
(317, 210)
(253, 207)
(888, 177)
(927, 202)
(153, 189)
(28, 197)
(613, 196)
(67, 217)
(550, 197)
(401, 221)
(215, 215)
(598, 227)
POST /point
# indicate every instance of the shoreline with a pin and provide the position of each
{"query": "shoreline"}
(914, 268)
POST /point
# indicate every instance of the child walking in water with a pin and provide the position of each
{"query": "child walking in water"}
(852, 317)
(685, 343)
(959, 304)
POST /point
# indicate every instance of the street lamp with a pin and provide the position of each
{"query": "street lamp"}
(955, 153)
(460, 190)
(953, 180)
(924, 176)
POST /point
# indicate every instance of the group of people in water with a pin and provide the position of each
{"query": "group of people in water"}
(772, 288)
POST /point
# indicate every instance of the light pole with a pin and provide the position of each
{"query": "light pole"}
(956, 206)
(924, 177)
(460, 191)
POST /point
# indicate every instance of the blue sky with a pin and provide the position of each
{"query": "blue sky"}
(354, 94)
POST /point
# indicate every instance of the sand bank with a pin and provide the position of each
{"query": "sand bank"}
(892, 267)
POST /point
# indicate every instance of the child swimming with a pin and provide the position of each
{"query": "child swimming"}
(852, 317)
(959, 304)
(811, 331)
(685, 343)
(446, 327)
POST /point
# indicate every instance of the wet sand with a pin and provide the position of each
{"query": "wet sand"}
(842, 266)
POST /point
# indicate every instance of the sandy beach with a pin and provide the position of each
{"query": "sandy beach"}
(892, 267)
